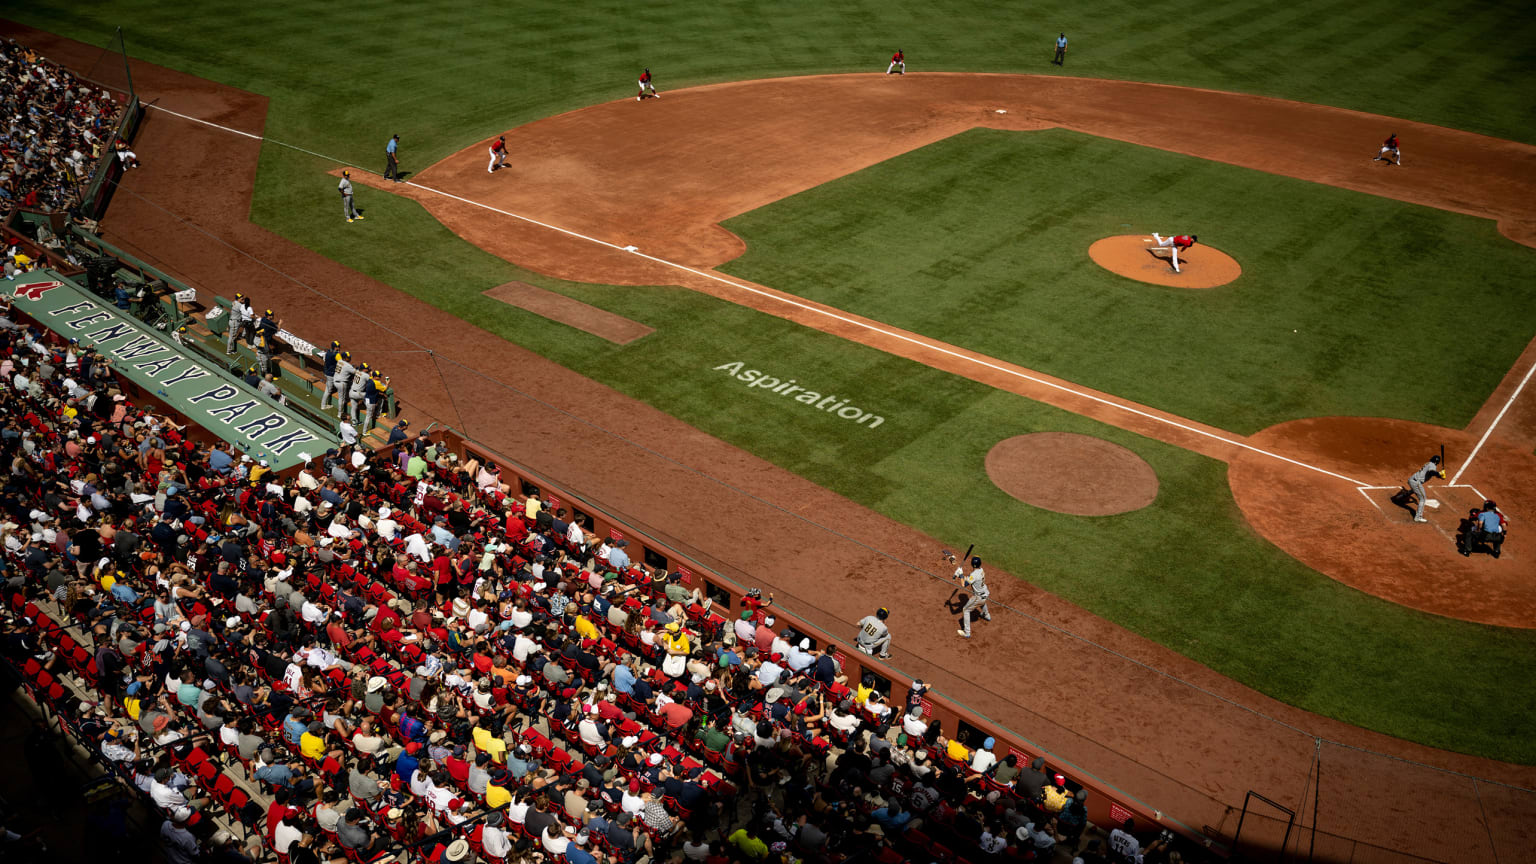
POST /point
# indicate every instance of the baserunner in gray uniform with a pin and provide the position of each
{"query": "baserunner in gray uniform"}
(1417, 481)
(977, 582)
(874, 636)
(345, 188)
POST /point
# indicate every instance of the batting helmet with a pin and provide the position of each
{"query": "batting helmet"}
(883, 614)
(975, 562)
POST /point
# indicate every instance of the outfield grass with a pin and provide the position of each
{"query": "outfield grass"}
(1186, 572)
(1391, 300)
(343, 76)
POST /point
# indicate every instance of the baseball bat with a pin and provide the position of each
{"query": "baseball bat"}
(1442, 458)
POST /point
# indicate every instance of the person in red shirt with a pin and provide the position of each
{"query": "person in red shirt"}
(645, 84)
(898, 63)
(498, 155)
(1182, 241)
(1390, 152)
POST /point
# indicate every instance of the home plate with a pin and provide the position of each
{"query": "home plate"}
(1432, 503)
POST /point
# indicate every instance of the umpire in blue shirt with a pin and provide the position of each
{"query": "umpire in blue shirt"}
(391, 160)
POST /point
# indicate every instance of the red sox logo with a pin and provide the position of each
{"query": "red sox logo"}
(34, 290)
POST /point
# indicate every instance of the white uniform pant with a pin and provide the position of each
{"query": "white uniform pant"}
(896, 63)
(498, 160)
(1167, 242)
(977, 601)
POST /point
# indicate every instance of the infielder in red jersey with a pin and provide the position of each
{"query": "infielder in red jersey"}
(1390, 153)
(498, 151)
(1174, 244)
(898, 63)
(645, 84)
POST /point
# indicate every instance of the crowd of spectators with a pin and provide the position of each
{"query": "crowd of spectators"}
(54, 129)
(394, 653)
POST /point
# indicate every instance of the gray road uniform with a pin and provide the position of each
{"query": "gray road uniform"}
(874, 637)
(342, 380)
(977, 583)
(355, 395)
(239, 314)
(1417, 481)
(347, 210)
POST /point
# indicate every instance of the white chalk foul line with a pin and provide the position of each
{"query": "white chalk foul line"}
(1491, 426)
(827, 313)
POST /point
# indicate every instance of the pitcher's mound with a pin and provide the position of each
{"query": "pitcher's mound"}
(1069, 473)
(1135, 256)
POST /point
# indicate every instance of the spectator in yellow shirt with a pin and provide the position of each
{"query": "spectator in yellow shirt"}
(586, 629)
(958, 751)
(489, 744)
(496, 797)
(312, 742)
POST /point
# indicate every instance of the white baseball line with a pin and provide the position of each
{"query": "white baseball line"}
(824, 312)
(1491, 426)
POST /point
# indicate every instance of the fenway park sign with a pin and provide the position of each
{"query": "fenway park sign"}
(207, 394)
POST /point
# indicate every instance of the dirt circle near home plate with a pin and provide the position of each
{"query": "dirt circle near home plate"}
(1135, 256)
(1070, 473)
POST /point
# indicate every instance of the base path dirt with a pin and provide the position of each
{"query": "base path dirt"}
(1070, 473)
(571, 312)
(1096, 695)
(1135, 256)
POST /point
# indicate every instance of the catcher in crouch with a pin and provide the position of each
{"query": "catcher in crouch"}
(1174, 244)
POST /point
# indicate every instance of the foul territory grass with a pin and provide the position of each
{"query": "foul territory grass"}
(1349, 304)
(1185, 572)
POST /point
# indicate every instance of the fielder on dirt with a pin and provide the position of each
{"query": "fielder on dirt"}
(646, 85)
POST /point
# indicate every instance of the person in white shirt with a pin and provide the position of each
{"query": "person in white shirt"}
(983, 759)
(573, 533)
(421, 784)
(416, 545)
(478, 620)
(284, 836)
(1124, 843)
(746, 631)
(631, 804)
(165, 796)
(517, 811)
(554, 840)
(313, 612)
(523, 647)
(293, 677)
(386, 526)
(913, 724)
(494, 838)
(591, 733)
(520, 616)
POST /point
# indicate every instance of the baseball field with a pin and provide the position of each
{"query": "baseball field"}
(917, 247)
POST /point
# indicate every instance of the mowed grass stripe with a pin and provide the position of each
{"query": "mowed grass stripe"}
(1017, 284)
(447, 74)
